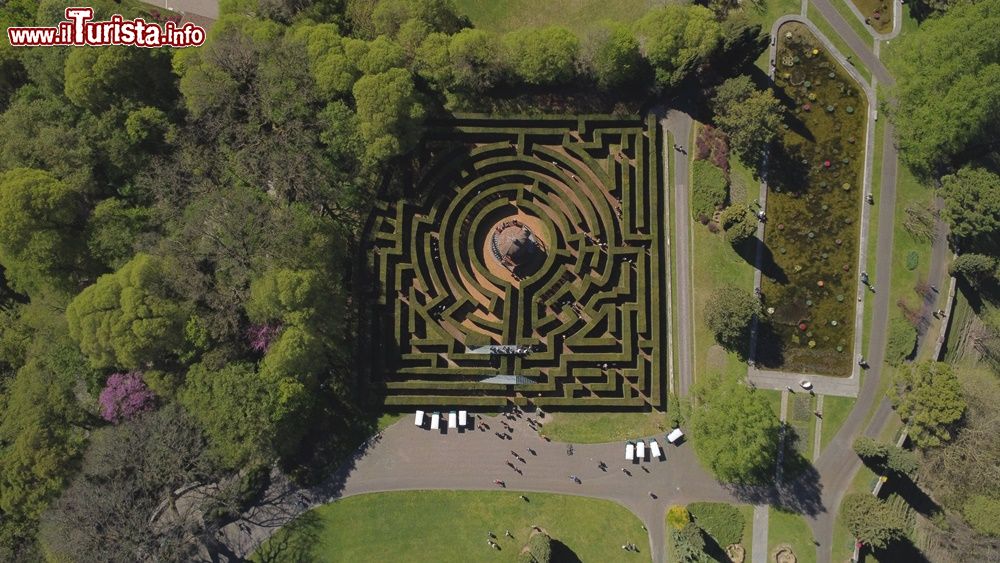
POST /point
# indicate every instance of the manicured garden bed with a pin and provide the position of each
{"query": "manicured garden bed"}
(813, 211)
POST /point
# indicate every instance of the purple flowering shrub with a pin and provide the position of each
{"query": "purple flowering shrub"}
(125, 395)
(260, 336)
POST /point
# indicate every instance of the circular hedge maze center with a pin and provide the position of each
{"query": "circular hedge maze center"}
(524, 265)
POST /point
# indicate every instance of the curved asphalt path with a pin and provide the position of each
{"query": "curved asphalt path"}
(406, 457)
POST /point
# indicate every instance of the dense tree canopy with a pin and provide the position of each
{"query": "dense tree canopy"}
(948, 88)
(676, 39)
(248, 416)
(129, 318)
(40, 225)
(972, 206)
(729, 316)
(870, 520)
(541, 56)
(750, 117)
(735, 432)
(929, 399)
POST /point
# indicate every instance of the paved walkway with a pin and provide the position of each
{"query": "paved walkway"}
(760, 515)
(680, 125)
(411, 458)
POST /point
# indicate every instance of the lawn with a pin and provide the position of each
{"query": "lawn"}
(597, 427)
(835, 411)
(911, 197)
(452, 526)
(789, 528)
(715, 264)
(580, 16)
(868, 8)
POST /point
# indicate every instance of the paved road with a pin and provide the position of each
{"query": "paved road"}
(822, 384)
(862, 47)
(411, 458)
(679, 125)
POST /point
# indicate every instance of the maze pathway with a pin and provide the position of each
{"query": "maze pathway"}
(585, 294)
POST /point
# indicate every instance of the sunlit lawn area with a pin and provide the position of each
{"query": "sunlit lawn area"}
(578, 15)
(596, 427)
(835, 411)
(788, 528)
(452, 526)
(715, 264)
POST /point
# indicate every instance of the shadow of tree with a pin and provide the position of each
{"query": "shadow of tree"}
(902, 551)
(770, 346)
(294, 542)
(561, 553)
(768, 267)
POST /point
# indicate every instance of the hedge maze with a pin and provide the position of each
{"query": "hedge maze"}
(586, 194)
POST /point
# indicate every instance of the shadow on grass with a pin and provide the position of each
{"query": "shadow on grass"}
(561, 553)
(768, 267)
(294, 542)
(902, 551)
(800, 490)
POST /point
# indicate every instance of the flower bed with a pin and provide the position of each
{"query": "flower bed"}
(813, 208)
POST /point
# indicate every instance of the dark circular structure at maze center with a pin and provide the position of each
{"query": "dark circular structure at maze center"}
(516, 247)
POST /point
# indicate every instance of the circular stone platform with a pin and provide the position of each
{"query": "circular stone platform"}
(514, 248)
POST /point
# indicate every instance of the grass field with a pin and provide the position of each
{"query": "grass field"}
(596, 427)
(452, 526)
(715, 264)
(578, 15)
(789, 528)
(835, 411)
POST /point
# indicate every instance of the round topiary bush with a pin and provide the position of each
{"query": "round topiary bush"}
(678, 517)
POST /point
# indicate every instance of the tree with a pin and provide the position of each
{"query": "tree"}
(947, 86)
(614, 58)
(735, 432)
(729, 316)
(389, 16)
(750, 117)
(902, 340)
(128, 470)
(113, 230)
(250, 417)
(690, 544)
(125, 396)
(542, 56)
(709, 187)
(972, 205)
(389, 114)
(676, 39)
(130, 318)
(870, 449)
(538, 549)
(974, 268)
(40, 223)
(983, 514)
(98, 77)
(928, 398)
(473, 58)
(740, 224)
(870, 520)
(333, 72)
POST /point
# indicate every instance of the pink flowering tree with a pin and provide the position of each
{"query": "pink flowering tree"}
(260, 336)
(125, 395)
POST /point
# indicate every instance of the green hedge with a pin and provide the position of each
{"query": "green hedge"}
(709, 188)
(724, 522)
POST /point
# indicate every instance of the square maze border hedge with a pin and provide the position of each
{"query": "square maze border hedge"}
(591, 302)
